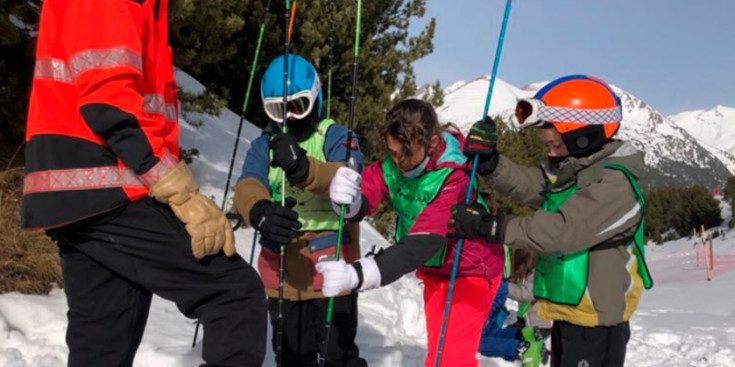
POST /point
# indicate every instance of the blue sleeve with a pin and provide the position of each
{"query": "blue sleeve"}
(256, 162)
(335, 147)
(500, 297)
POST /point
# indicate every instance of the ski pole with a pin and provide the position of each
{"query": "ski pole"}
(246, 102)
(458, 248)
(237, 138)
(245, 106)
(342, 209)
(282, 247)
(330, 56)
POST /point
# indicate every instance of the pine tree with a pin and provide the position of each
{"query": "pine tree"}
(18, 19)
(436, 98)
(729, 196)
(680, 209)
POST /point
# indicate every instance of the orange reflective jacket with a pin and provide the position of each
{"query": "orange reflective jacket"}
(103, 116)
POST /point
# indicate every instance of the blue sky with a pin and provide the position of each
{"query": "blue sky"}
(677, 55)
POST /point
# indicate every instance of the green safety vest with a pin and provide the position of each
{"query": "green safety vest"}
(409, 196)
(315, 213)
(563, 279)
(523, 308)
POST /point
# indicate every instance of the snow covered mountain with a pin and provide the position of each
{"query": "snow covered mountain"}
(715, 127)
(673, 155)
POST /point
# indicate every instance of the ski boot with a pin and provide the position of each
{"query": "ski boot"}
(533, 354)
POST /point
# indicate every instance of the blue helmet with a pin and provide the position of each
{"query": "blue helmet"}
(304, 88)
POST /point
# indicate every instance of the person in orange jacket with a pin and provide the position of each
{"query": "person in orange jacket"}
(104, 180)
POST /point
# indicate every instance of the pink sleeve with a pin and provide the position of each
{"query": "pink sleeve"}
(434, 219)
(373, 186)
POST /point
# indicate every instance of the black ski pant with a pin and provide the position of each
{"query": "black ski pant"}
(112, 264)
(304, 329)
(580, 346)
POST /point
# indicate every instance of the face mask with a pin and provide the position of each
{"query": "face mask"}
(556, 161)
(304, 128)
(418, 170)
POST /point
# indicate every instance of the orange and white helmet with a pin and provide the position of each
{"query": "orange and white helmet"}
(583, 109)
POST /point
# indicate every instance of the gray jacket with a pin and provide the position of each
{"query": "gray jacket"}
(523, 293)
(603, 208)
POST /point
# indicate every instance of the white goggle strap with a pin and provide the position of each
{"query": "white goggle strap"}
(581, 116)
(541, 113)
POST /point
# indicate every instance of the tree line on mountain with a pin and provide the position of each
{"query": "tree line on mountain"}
(729, 197)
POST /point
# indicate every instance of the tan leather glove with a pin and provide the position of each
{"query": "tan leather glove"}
(210, 231)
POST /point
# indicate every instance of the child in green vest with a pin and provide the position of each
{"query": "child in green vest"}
(308, 156)
(588, 229)
(422, 176)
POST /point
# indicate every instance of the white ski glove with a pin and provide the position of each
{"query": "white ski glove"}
(345, 190)
(339, 276)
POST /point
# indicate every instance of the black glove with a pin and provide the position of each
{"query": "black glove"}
(287, 154)
(481, 142)
(474, 221)
(275, 222)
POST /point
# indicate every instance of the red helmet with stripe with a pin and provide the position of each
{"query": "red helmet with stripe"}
(583, 109)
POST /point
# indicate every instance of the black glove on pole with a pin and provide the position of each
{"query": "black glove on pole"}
(275, 222)
(474, 221)
(481, 142)
(288, 155)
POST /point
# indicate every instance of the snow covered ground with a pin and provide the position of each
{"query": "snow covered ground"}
(684, 321)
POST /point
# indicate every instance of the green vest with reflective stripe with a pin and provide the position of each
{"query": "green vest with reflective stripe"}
(563, 279)
(315, 213)
(409, 196)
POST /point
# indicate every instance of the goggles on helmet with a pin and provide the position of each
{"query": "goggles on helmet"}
(299, 105)
(532, 112)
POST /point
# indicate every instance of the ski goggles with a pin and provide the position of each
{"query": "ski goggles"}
(532, 112)
(298, 105)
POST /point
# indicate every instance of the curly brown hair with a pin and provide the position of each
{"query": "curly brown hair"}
(523, 262)
(411, 122)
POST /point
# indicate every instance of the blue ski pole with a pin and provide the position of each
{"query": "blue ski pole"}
(458, 249)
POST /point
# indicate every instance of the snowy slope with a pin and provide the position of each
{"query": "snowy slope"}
(684, 321)
(715, 127)
(673, 156)
(214, 140)
(463, 103)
